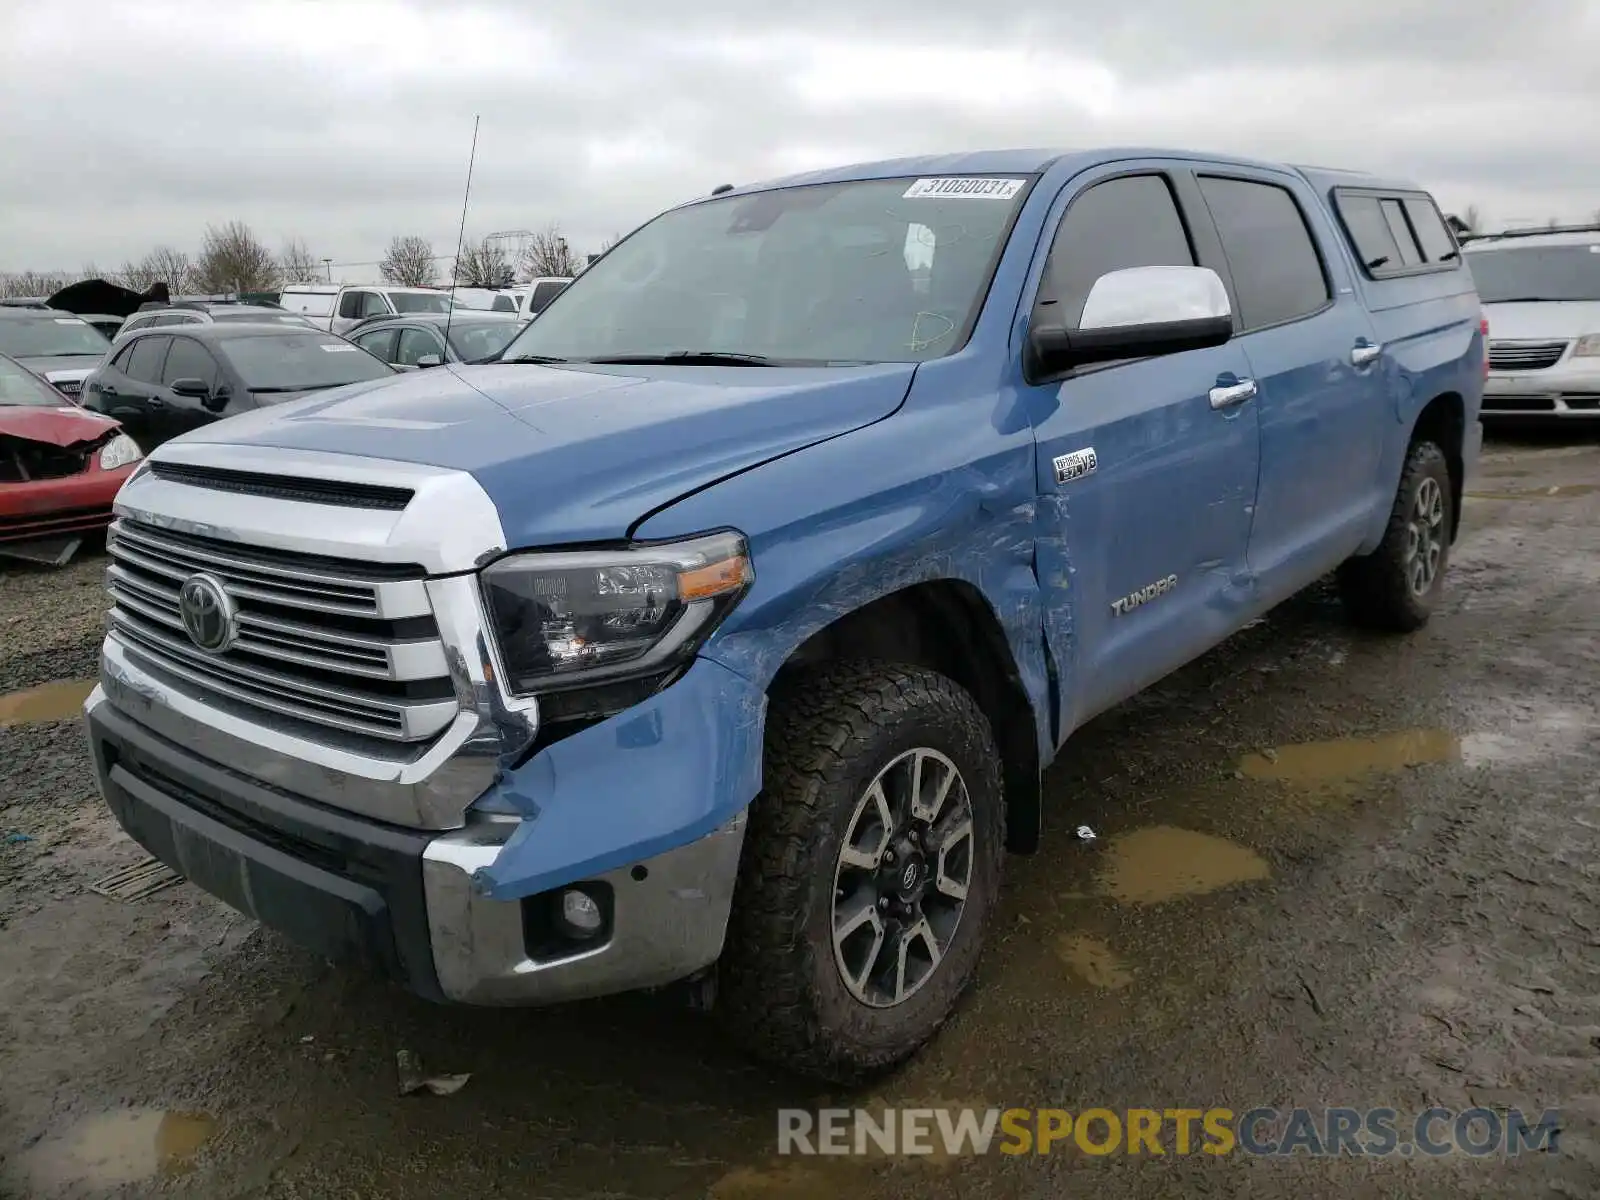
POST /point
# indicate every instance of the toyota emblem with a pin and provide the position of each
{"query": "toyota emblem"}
(207, 613)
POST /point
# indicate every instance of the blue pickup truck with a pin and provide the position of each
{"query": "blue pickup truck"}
(721, 631)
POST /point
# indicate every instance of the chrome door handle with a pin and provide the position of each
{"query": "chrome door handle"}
(1237, 393)
(1365, 355)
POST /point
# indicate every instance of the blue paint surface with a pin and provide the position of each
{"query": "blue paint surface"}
(654, 777)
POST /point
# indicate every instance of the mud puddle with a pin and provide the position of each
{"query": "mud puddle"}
(1162, 862)
(1342, 759)
(58, 701)
(1520, 736)
(1560, 491)
(1094, 962)
(119, 1148)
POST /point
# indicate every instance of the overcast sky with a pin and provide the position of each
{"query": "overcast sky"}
(344, 122)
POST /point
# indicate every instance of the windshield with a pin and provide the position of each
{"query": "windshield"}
(299, 362)
(480, 339)
(420, 302)
(888, 270)
(1512, 273)
(19, 386)
(50, 337)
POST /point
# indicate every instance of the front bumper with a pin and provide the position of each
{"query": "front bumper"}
(412, 905)
(1570, 390)
(50, 508)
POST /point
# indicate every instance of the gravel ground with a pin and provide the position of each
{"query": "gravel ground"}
(1332, 870)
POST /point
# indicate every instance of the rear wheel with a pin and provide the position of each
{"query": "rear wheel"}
(1398, 585)
(872, 862)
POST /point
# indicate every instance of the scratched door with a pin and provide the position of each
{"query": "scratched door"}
(1173, 479)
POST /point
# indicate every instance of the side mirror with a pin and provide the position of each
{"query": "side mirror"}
(218, 399)
(197, 389)
(429, 360)
(1138, 312)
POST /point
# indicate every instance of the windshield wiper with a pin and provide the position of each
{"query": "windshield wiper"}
(540, 359)
(689, 358)
(1522, 300)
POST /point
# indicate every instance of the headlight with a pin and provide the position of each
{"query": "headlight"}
(119, 452)
(563, 619)
(1588, 346)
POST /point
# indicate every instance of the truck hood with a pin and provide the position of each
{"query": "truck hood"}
(1543, 320)
(569, 454)
(63, 426)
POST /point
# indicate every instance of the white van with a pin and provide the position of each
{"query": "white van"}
(537, 294)
(338, 308)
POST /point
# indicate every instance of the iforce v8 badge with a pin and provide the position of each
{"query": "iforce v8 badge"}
(1075, 465)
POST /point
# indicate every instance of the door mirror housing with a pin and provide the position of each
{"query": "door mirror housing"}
(1138, 312)
(430, 360)
(197, 389)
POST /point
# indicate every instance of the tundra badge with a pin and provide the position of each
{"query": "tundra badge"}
(1075, 465)
(1144, 595)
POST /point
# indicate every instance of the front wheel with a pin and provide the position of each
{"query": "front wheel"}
(1398, 585)
(872, 862)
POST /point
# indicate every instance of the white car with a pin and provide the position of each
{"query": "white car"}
(1541, 295)
(339, 308)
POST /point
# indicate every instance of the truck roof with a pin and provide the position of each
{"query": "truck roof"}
(1031, 161)
(1325, 179)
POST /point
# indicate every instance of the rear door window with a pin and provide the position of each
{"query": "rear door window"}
(145, 358)
(1277, 272)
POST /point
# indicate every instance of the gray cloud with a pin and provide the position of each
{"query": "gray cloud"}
(347, 121)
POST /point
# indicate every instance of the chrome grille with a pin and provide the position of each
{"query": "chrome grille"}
(338, 644)
(1525, 356)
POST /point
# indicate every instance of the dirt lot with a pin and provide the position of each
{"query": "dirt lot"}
(1332, 870)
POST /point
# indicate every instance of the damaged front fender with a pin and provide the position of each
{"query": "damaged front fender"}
(658, 776)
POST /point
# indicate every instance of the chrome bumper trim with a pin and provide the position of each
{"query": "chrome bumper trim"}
(426, 787)
(666, 925)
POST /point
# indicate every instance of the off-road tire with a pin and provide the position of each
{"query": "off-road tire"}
(1375, 588)
(829, 732)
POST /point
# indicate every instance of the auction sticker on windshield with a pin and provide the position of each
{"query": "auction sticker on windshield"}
(335, 349)
(955, 187)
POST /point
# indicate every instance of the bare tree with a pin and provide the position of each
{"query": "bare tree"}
(297, 264)
(409, 262)
(232, 259)
(484, 265)
(161, 265)
(31, 283)
(548, 254)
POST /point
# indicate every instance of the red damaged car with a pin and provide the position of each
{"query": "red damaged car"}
(60, 468)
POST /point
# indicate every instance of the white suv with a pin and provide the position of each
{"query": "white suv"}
(1541, 294)
(339, 309)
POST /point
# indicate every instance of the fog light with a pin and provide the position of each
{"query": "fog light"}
(580, 914)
